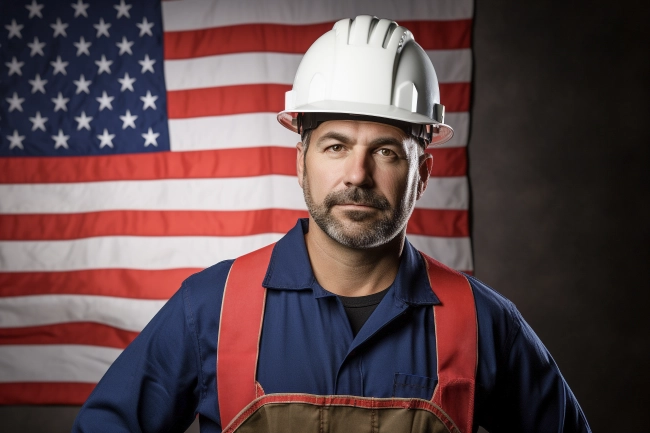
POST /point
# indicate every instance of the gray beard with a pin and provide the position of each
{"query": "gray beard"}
(375, 232)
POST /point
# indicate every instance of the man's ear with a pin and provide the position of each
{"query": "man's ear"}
(300, 162)
(424, 169)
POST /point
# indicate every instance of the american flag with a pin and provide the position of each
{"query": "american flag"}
(139, 144)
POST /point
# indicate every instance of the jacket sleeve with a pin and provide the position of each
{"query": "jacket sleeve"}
(153, 386)
(533, 396)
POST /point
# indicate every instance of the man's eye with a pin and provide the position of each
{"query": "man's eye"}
(386, 152)
(335, 148)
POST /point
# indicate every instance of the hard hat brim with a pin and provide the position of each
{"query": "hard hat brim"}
(288, 117)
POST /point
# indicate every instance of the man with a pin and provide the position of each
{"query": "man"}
(342, 326)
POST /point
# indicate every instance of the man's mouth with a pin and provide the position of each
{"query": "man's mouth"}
(357, 198)
(355, 204)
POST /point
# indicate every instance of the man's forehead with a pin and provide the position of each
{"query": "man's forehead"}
(354, 128)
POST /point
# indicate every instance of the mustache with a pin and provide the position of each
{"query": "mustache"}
(358, 196)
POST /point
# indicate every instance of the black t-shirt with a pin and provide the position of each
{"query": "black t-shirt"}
(359, 308)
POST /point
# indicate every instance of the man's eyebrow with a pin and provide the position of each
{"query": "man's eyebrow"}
(333, 135)
(386, 140)
(337, 136)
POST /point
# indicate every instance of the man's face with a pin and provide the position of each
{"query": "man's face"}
(361, 180)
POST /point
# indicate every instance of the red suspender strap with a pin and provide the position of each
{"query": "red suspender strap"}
(242, 312)
(456, 341)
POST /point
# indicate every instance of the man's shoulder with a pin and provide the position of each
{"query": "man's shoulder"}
(209, 278)
(203, 291)
(490, 297)
(494, 311)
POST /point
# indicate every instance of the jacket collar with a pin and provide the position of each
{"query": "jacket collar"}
(290, 269)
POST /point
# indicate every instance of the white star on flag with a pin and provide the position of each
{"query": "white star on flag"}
(59, 28)
(106, 139)
(145, 27)
(80, 8)
(14, 66)
(125, 46)
(149, 100)
(38, 122)
(147, 64)
(38, 84)
(123, 9)
(102, 28)
(127, 82)
(60, 140)
(36, 47)
(105, 101)
(82, 47)
(128, 120)
(104, 65)
(34, 9)
(82, 85)
(14, 29)
(150, 138)
(60, 103)
(16, 140)
(15, 103)
(59, 66)
(83, 121)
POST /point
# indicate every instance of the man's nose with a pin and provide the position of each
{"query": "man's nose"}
(358, 170)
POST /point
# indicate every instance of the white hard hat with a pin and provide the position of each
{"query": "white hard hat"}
(367, 69)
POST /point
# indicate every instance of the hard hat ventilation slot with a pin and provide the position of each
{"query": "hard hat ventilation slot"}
(373, 24)
(389, 33)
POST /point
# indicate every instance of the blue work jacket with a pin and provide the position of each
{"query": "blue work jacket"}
(166, 376)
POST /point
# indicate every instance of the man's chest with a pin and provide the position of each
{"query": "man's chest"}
(307, 346)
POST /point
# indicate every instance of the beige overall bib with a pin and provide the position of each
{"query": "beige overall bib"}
(244, 407)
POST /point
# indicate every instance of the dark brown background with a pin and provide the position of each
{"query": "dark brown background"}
(559, 151)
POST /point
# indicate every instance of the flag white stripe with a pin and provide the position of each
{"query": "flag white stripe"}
(453, 252)
(246, 193)
(127, 252)
(460, 123)
(445, 193)
(262, 129)
(234, 194)
(55, 363)
(156, 253)
(229, 132)
(203, 14)
(231, 70)
(452, 66)
(36, 310)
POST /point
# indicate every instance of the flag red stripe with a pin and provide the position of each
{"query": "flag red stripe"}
(448, 161)
(444, 223)
(45, 392)
(296, 39)
(94, 334)
(455, 96)
(222, 163)
(254, 98)
(439, 222)
(218, 101)
(441, 35)
(147, 223)
(125, 283)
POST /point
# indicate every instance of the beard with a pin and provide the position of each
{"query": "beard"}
(366, 230)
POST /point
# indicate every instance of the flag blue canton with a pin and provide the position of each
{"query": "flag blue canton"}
(81, 78)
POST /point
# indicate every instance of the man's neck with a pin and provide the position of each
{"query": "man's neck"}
(350, 271)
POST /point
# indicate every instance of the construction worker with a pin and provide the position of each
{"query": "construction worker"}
(342, 325)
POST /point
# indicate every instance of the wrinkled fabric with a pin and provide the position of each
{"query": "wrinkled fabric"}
(166, 377)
